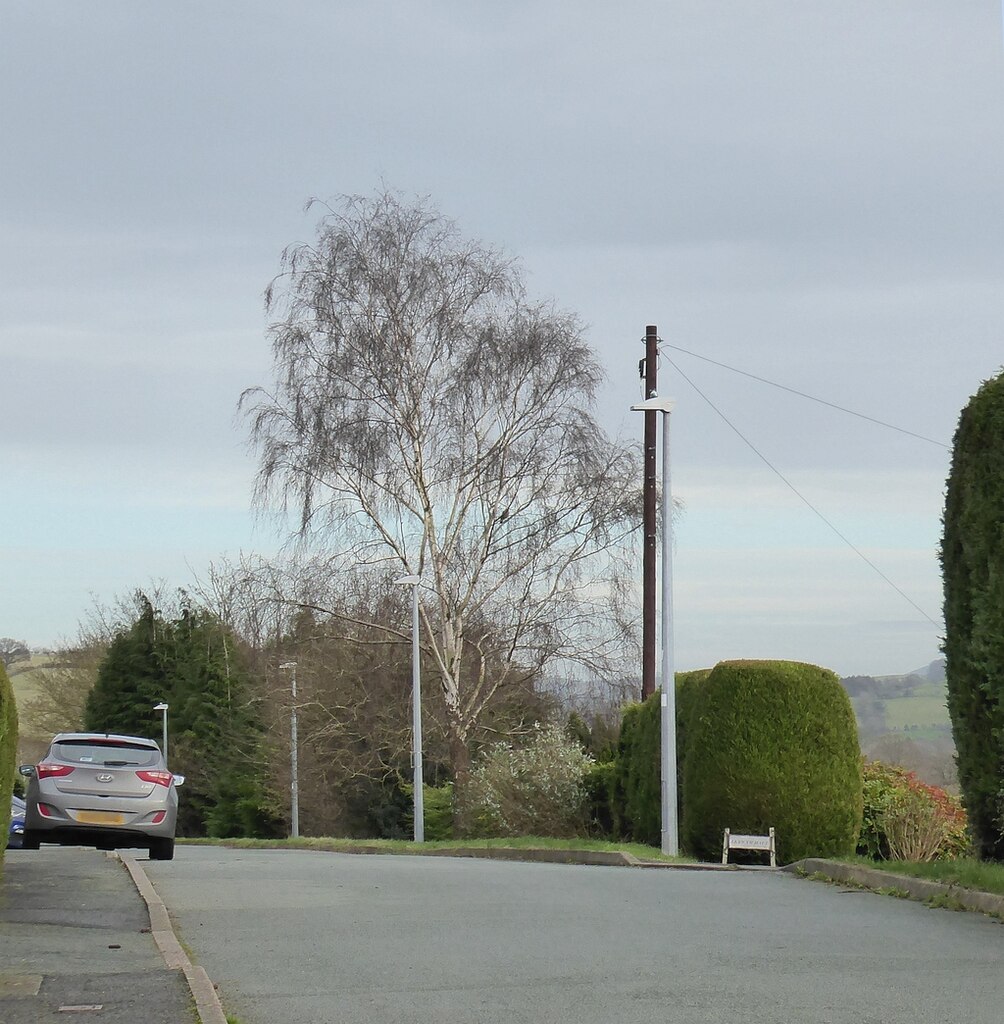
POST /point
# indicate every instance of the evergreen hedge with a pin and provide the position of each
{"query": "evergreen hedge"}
(8, 753)
(972, 562)
(637, 792)
(638, 784)
(772, 743)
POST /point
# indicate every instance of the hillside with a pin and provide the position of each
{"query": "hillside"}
(904, 719)
(26, 678)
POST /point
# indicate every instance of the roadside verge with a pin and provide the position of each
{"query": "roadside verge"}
(913, 888)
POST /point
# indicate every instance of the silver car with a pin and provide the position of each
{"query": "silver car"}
(93, 789)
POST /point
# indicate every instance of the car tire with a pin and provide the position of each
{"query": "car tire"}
(162, 849)
(30, 840)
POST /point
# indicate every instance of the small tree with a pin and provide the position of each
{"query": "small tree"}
(426, 414)
(13, 650)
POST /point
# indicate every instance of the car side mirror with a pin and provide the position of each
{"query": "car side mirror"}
(179, 780)
(27, 770)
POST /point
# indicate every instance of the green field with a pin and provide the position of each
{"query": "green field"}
(920, 711)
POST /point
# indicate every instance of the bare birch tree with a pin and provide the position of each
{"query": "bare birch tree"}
(427, 415)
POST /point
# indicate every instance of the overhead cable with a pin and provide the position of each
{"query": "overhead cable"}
(801, 497)
(802, 394)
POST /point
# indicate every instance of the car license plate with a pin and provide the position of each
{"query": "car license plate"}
(100, 817)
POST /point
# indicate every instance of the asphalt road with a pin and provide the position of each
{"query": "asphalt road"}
(321, 938)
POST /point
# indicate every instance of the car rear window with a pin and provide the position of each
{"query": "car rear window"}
(106, 754)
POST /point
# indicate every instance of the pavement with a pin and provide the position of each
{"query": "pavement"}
(81, 940)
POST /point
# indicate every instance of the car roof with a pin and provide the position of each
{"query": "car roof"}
(102, 737)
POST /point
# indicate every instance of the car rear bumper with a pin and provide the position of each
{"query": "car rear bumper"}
(112, 838)
(129, 823)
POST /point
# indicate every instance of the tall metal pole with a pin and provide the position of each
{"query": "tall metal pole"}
(649, 553)
(418, 795)
(670, 825)
(667, 716)
(416, 721)
(294, 785)
(294, 766)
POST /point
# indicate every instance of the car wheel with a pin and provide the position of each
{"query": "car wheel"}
(162, 849)
(30, 840)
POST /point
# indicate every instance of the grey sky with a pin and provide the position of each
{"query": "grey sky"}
(811, 192)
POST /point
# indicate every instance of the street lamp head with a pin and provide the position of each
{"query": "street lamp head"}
(288, 664)
(161, 706)
(413, 579)
(655, 404)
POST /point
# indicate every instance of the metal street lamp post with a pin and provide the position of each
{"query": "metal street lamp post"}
(416, 712)
(294, 786)
(670, 824)
(162, 708)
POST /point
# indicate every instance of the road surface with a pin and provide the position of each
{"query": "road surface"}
(320, 938)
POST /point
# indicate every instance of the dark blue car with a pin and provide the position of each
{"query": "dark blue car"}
(16, 833)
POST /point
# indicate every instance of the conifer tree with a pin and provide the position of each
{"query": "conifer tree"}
(972, 560)
(215, 739)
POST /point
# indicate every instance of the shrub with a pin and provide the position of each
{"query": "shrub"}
(772, 743)
(603, 809)
(637, 789)
(972, 561)
(638, 782)
(688, 693)
(437, 805)
(8, 752)
(534, 789)
(905, 819)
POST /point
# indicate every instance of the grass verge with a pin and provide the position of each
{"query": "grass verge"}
(403, 846)
(980, 876)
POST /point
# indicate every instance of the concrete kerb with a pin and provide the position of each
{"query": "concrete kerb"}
(207, 1002)
(914, 888)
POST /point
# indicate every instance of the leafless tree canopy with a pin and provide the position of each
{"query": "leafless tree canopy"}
(427, 415)
(12, 650)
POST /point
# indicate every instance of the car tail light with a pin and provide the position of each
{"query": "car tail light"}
(53, 771)
(160, 778)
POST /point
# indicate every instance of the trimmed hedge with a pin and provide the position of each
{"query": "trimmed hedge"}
(772, 743)
(972, 561)
(638, 785)
(8, 752)
(637, 793)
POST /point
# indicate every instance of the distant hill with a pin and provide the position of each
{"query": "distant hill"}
(933, 673)
(904, 719)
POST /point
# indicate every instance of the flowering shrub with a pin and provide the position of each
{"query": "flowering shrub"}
(534, 789)
(905, 819)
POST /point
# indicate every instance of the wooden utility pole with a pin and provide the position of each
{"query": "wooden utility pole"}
(651, 366)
